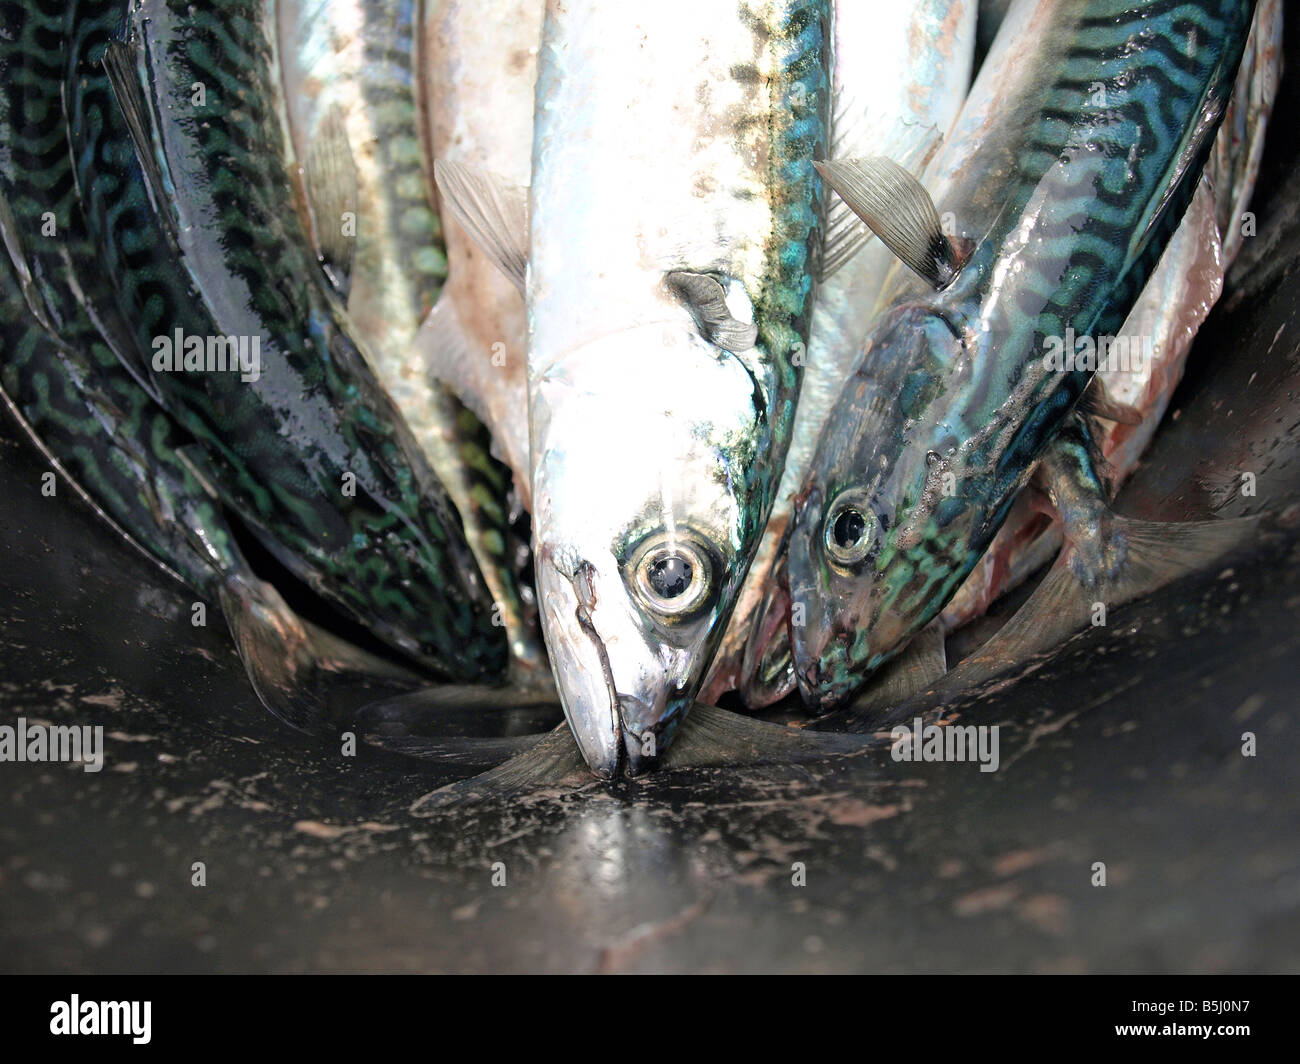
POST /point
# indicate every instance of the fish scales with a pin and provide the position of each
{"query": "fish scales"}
(352, 97)
(681, 143)
(393, 554)
(1074, 184)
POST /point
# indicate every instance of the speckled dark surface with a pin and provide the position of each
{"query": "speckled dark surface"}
(1124, 747)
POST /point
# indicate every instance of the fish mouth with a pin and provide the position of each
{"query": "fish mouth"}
(807, 666)
(825, 681)
(619, 730)
(825, 666)
(832, 667)
(581, 665)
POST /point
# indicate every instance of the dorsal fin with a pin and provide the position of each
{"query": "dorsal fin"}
(493, 212)
(898, 210)
(706, 299)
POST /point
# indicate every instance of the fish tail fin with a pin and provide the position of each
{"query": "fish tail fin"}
(304, 675)
(1137, 558)
(552, 763)
(920, 664)
(712, 737)
(1155, 553)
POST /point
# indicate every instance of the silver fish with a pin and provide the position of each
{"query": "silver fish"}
(674, 220)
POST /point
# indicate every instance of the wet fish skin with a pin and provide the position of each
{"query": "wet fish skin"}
(113, 443)
(901, 72)
(1176, 300)
(671, 144)
(1068, 201)
(100, 428)
(479, 73)
(235, 262)
(58, 372)
(352, 89)
(44, 227)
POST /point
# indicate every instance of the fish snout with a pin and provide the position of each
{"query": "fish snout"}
(580, 662)
(820, 665)
(619, 693)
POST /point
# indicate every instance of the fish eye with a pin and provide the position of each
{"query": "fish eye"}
(672, 575)
(850, 529)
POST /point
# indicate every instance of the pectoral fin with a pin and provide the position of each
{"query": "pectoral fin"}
(706, 299)
(492, 212)
(846, 234)
(898, 210)
(124, 79)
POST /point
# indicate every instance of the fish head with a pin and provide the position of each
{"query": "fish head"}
(647, 487)
(881, 528)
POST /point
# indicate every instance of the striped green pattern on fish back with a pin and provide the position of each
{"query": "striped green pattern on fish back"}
(111, 440)
(280, 448)
(62, 378)
(1112, 145)
(390, 89)
(800, 92)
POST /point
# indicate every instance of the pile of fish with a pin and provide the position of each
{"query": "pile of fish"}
(634, 360)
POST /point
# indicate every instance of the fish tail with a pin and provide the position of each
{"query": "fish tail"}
(1080, 592)
(918, 666)
(305, 676)
(709, 737)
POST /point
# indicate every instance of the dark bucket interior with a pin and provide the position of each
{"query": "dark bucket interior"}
(1124, 747)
